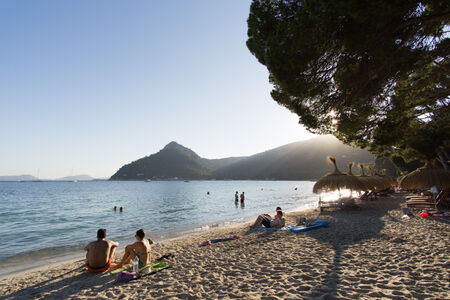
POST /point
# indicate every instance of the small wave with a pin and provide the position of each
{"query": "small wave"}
(33, 259)
(46, 253)
(175, 210)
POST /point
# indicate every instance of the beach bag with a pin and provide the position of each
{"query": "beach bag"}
(424, 214)
(126, 276)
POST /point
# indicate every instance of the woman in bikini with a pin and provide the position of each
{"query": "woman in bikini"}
(141, 249)
(267, 221)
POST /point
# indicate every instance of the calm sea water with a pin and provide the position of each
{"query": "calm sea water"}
(44, 221)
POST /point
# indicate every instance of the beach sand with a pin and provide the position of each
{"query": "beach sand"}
(372, 253)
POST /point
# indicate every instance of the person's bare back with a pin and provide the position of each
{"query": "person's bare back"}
(100, 253)
(141, 249)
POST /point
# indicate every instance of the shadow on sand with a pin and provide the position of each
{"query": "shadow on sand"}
(61, 286)
(341, 234)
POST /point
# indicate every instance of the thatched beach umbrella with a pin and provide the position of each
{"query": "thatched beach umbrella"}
(399, 178)
(368, 182)
(337, 180)
(350, 166)
(384, 182)
(391, 180)
(425, 177)
(350, 173)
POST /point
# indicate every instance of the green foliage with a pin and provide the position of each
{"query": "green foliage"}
(386, 166)
(373, 73)
(404, 166)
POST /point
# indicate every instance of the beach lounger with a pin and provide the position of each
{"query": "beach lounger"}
(368, 196)
(419, 197)
(382, 193)
(343, 203)
(426, 201)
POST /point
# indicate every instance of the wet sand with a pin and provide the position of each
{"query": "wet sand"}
(371, 253)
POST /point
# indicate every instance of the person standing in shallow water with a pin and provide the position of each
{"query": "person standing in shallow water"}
(236, 196)
(242, 197)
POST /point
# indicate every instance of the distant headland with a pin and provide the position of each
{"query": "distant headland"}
(303, 160)
(27, 177)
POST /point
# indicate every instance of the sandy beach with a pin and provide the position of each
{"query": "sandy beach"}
(371, 253)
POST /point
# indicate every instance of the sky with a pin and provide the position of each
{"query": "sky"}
(88, 86)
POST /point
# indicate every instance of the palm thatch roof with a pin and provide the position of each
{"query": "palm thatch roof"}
(337, 180)
(400, 177)
(391, 179)
(425, 177)
(385, 183)
(350, 166)
(366, 180)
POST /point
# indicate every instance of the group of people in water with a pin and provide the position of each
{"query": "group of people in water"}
(242, 197)
(120, 209)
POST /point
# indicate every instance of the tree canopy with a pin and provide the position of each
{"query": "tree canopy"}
(373, 73)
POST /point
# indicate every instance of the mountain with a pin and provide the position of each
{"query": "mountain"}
(215, 164)
(172, 161)
(304, 160)
(76, 177)
(18, 178)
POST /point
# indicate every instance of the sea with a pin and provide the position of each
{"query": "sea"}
(48, 222)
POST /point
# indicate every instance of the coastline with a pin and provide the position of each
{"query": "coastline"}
(30, 261)
(67, 258)
(372, 252)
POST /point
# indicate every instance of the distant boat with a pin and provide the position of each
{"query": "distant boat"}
(186, 181)
(74, 180)
(148, 180)
(37, 178)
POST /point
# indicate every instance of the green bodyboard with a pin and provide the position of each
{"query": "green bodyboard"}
(151, 268)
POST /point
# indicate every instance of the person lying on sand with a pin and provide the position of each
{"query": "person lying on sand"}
(277, 209)
(100, 253)
(141, 249)
(268, 222)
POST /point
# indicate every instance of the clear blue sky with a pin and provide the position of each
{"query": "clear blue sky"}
(87, 86)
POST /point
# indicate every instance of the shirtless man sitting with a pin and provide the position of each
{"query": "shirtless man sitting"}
(141, 249)
(100, 253)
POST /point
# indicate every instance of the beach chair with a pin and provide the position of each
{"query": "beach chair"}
(427, 201)
(385, 192)
(422, 195)
(368, 196)
(343, 203)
